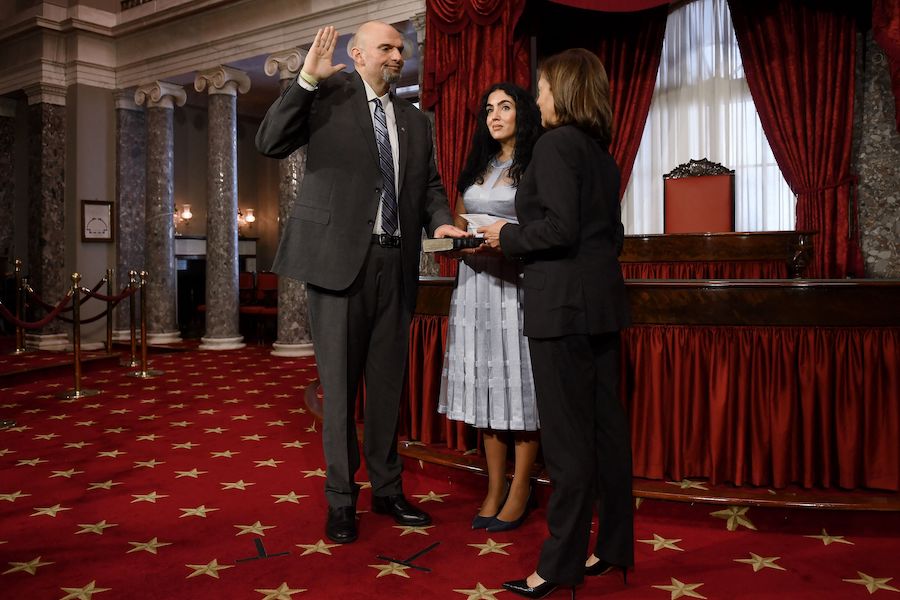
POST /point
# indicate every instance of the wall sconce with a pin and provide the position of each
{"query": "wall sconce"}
(245, 220)
(250, 218)
(183, 218)
(186, 213)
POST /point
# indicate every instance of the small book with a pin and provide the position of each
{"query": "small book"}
(448, 243)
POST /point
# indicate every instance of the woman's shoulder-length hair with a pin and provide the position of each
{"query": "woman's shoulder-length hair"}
(580, 90)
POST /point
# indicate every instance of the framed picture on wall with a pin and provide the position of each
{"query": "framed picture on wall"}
(96, 221)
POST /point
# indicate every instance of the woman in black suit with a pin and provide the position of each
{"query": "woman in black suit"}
(569, 237)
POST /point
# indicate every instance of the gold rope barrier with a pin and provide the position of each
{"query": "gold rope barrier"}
(132, 361)
(109, 311)
(77, 392)
(144, 373)
(20, 310)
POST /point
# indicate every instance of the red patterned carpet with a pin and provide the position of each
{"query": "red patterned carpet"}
(206, 482)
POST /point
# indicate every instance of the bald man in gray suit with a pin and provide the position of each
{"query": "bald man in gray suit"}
(354, 236)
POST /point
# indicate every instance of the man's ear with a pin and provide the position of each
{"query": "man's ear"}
(357, 56)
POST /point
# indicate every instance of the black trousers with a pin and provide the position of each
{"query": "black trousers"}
(363, 330)
(587, 453)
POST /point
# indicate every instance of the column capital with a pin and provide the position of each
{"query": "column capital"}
(418, 21)
(160, 94)
(45, 93)
(286, 63)
(222, 80)
(7, 107)
(124, 100)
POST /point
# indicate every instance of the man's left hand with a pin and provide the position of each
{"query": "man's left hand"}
(450, 231)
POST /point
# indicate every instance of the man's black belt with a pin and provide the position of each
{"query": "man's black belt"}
(386, 241)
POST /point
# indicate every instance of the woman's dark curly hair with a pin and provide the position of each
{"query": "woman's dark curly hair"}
(484, 147)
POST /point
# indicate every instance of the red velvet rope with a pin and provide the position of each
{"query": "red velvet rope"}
(126, 293)
(37, 324)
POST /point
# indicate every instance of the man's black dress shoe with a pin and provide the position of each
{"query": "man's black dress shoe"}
(341, 525)
(403, 512)
(521, 587)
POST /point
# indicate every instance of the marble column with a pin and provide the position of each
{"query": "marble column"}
(8, 189)
(47, 207)
(222, 294)
(160, 98)
(131, 182)
(294, 338)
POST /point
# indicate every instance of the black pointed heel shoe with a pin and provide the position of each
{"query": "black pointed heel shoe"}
(521, 587)
(604, 568)
(501, 525)
(480, 522)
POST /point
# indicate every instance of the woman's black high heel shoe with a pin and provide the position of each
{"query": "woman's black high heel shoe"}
(480, 522)
(501, 525)
(603, 568)
(521, 587)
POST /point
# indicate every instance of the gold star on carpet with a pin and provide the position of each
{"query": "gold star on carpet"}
(268, 463)
(120, 411)
(430, 497)
(294, 444)
(106, 485)
(59, 417)
(679, 589)
(180, 423)
(14, 496)
(49, 511)
(67, 474)
(253, 438)
(29, 567)
(147, 417)
(18, 429)
(659, 543)
(115, 430)
(184, 446)
(178, 405)
(391, 568)
(224, 454)
(85, 593)
(240, 484)
(6, 451)
(278, 423)
(46, 436)
(408, 529)
(264, 405)
(311, 428)
(200, 511)
(241, 417)
(95, 527)
(873, 584)
(212, 569)
(282, 592)
(192, 473)
(152, 546)
(297, 411)
(319, 547)
(85, 423)
(735, 516)
(289, 497)
(208, 411)
(202, 396)
(231, 401)
(317, 473)
(830, 539)
(215, 429)
(491, 547)
(150, 464)
(687, 484)
(256, 529)
(151, 497)
(30, 462)
(94, 405)
(110, 454)
(761, 562)
(78, 445)
(479, 592)
(150, 437)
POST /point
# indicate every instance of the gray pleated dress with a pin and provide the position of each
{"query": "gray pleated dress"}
(486, 380)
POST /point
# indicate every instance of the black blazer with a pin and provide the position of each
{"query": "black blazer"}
(327, 236)
(569, 236)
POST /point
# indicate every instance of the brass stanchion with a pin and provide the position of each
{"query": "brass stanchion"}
(76, 343)
(109, 311)
(20, 309)
(132, 361)
(144, 373)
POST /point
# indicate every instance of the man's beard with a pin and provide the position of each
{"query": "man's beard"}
(390, 76)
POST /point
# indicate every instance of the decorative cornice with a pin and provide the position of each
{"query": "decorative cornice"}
(695, 168)
(222, 80)
(286, 63)
(45, 93)
(160, 94)
(7, 107)
(124, 100)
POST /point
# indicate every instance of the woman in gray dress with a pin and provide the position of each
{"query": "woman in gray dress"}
(486, 380)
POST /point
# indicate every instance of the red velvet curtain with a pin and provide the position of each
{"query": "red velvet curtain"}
(629, 45)
(886, 29)
(799, 59)
(468, 46)
(613, 5)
